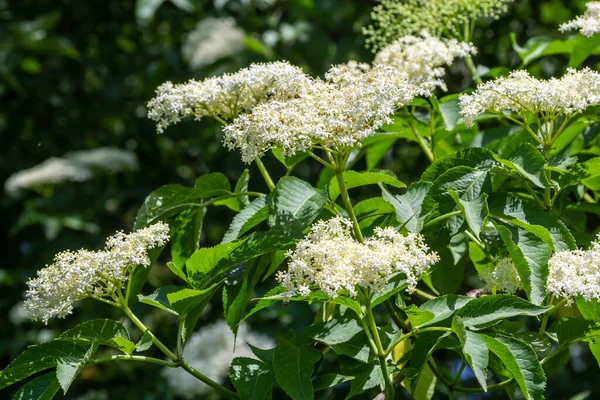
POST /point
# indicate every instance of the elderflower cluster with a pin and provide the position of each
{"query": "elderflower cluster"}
(349, 106)
(76, 275)
(423, 57)
(523, 94)
(575, 273)
(332, 260)
(211, 351)
(393, 19)
(50, 172)
(588, 23)
(105, 158)
(226, 96)
(503, 277)
(212, 40)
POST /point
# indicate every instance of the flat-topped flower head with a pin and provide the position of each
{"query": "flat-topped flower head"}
(352, 104)
(77, 275)
(393, 19)
(423, 57)
(523, 95)
(212, 40)
(330, 259)
(575, 273)
(503, 277)
(588, 23)
(53, 171)
(226, 96)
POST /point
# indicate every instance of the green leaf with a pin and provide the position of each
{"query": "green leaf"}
(105, 332)
(571, 330)
(522, 362)
(289, 162)
(529, 163)
(396, 282)
(164, 203)
(477, 158)
(372, 207)
(212, 185)
(481, 312)
(530, 254)
(294, 367)
(512, 207)
(67, 368)
(159, 298)
(442, 307)
(375, 152)
(250, 216)
(425, 386)
(185, 300)
(366, 377)
(252, 378)
(583, 47)
(343, 336)
(423, 349)
(186, 237)
(43, 387)
(475, 350)
(450, 111)
(353, 179)
(206, 259)
(475, 211)
(40, 357)
(145, 342)
(408, 205)
(590, 309)
(293, 205)
(330, 380)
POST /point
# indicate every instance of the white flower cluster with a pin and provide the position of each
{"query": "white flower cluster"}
(503, 277)
(212, 40)
(423, 57)
(105, 158)
(393, 19)
(575, 273)
(76, 275)
(338, 113)
(523, 94)
(211, 351)
(226, 96)
(588, 23)
(332, 260)
(51, 172)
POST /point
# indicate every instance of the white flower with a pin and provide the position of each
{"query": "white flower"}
(575, 273)
(211, 351)
(338, 113)
(76, 275)
(503, 277)
(423, 58)
(51, 172)
(523, 94)
(588, 23)
(226, 96)
(332, 260)
(105, 158)
(212, 40)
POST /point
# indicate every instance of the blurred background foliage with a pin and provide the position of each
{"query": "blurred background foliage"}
(76, 75)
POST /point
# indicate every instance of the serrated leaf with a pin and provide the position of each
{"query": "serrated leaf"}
(443, 307)
(589, 309)
(212, 185)
(185, 300)
(372, 207)
(396, 282)
(571, 330)
(330, 380)
(353, 179)
(145, 342)
(475, 350)
(252, 378)
(292, 161)
(164, 203)
(408, 205)
(475, 211)
(425, 387)
(159, 298)
(105, 332)
(294, 367)
(522, 362)
(529, 163)
(450, 111)
(480, 312)
(422, 350)
(185, 238)
(43, 387)
(530, 254)
(40, 357)
(293, 205)
(477, 158)
(365, 378)
(250, 216)
(67, 368)
(344, 336)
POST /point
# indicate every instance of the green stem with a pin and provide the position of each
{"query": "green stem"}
(145, 329)
(381, 353)
(415, 332)
(421, 142)
(475, 240)
(179, 339)
(347, 204)
(265, 174)
(222, 390)
(424, 295)
(127, 357)
(462, 389)
(441, 218)
(472, 69)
